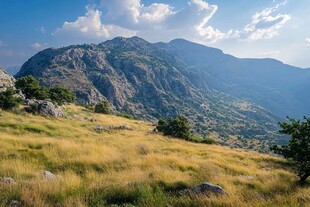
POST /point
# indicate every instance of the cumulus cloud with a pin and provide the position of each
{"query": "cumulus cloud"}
(159, 21)
(265, 24)
(90, 26)
(38, 46)
(307, 41)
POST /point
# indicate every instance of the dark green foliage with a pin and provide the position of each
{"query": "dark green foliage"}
(297, 152)
(103, 108)
(61, 95)
(178, 127)
(8, 100)
(209, 140)
(31, 88)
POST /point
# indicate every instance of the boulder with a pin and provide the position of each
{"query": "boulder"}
(8, 180)
(204, 189)
(44, 108)
(15, 204)
(99, 128)
(122, 127)
(47, 175)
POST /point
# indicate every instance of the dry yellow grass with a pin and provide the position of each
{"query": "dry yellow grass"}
(134, 167)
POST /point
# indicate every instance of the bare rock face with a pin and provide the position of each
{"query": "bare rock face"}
(6, 80)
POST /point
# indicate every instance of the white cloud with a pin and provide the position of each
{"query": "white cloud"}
(307, 41)
(159, 21)
(264, 24)
(1, 44)
(42, 30)
(273, 54)
(90, 26)
(38, 46)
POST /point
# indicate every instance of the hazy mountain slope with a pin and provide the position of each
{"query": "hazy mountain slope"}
(276, 86)
(137, 77)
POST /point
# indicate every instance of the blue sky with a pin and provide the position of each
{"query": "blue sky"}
(267, 28)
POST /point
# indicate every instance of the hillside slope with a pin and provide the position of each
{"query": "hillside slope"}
(139, 78)
(278, 87)
(130, 167)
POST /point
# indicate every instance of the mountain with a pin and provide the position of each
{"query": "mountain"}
(13, 69)
(277, 87)
(151, 81)
(6, 80)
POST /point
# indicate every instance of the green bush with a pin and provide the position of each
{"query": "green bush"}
(31, 88)
(8, 101)
(209, 140)
(178, 127)
(103, 108)
(61, 95)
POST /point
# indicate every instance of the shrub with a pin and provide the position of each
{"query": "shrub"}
(8, 101)
(178, 127)
(209, 140)
(103, 108)
(61, 95)
(31, 88)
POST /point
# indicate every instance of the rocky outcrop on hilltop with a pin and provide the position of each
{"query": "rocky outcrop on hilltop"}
(6, 80)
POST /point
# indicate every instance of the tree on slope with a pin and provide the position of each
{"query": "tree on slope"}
(297, 152)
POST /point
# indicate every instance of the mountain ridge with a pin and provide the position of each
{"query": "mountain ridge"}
(157, 80)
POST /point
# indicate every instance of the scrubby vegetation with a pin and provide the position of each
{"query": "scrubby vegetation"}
(8, 100)
(61, 95)
(131, 167)
(103, 108)
(297, 152)
(32, 89)
(179, 128)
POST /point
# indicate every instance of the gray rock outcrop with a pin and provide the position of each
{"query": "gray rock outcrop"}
(6, 80)
(204, 189)
(44, 108)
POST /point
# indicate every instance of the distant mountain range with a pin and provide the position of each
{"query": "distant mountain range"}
(238, 101)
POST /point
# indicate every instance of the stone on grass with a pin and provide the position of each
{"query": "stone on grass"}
(47, 175)
(8, 180)
(204, 189)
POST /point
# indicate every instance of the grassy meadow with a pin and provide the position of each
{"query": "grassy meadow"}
(131, 168)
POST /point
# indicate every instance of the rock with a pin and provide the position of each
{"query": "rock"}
(266, 169)
(6, 80)
(8, 180)
(123, 127)
(99, 128)
(15, 204)
(44, 108)
(204, 189)
(47, 175)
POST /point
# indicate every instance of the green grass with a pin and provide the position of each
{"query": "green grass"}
(131, 168)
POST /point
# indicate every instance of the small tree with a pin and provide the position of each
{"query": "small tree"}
(31, 88)
(8, 101)
(61, 95)
(103, 108)
(178, 127)
(297, 152)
